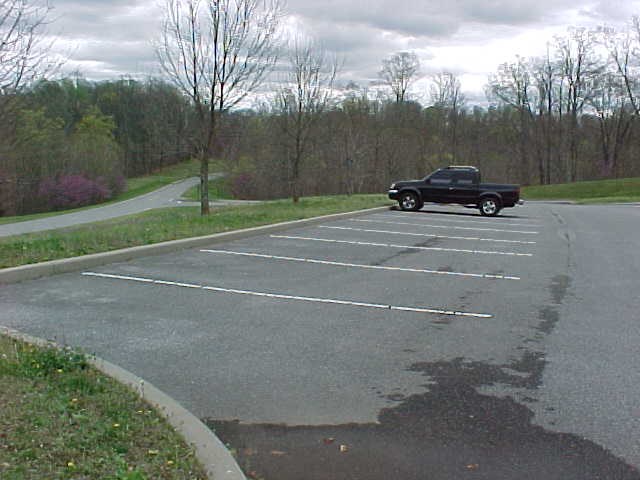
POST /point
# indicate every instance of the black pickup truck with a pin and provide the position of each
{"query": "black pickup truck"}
(459, 185)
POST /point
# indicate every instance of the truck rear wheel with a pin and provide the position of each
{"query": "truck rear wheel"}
(489, 206)
(409, 201)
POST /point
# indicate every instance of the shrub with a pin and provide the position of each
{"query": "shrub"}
(71, 191)
(243, 185)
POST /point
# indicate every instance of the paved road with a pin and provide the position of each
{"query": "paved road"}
(436, 344)
(168, 196)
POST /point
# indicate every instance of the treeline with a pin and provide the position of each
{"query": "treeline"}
(569, 115)
(72, 142)
(86, 138)
(362, 145)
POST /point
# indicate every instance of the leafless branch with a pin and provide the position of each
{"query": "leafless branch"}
(24, 51)
(399, 71)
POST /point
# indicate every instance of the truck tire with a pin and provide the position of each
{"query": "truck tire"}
(489, 206)
(409, 201)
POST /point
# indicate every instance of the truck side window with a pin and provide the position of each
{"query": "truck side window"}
(443, 177)
(465, 178)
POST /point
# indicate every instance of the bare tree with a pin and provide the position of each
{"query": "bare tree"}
(23, 48)
(217, 52)
(614, 119)
(302, 101)
(512, 85)
(622, 48)
(548, 82)
(579, 65)
(23, 58)
(399, 71)
(447, 97)
(353, 140)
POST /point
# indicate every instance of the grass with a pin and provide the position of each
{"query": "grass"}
(600, 191)
(218, 188)
(135, 187)
(168, 224)
(61, 418)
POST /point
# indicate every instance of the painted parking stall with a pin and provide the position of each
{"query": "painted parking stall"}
(333, 331)
(333, 235)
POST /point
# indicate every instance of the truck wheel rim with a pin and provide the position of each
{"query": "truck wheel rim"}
(489, 206)
(408, 201)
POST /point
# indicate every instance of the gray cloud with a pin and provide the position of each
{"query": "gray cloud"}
(114, 37)
(107, 38)
(435, 18)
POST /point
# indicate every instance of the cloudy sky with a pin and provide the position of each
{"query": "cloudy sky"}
(113, 38)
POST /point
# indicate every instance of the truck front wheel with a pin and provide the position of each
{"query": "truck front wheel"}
(489, 207)
(409, 201)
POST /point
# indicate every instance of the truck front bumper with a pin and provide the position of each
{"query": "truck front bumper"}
(394, 194)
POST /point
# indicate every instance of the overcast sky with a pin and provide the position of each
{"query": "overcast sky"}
(113, 38)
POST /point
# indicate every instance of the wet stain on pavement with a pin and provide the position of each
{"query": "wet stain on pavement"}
(449, 432)
(550, 314)
(559, 286)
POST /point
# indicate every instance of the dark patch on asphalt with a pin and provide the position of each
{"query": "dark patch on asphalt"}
(532, 364)
(549, 314)
(464, 298)
(396, 397)
(444, 320)
(432, 242)
(558, 218)
(559, 287)
(449, 432)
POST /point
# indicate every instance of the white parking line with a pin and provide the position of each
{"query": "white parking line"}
(433, 235)
(390, 245)
(440, 218)
(447, 226)
(356, 265)
(280, 296)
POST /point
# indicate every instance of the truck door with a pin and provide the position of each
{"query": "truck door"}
(465, 188)
(438, 187)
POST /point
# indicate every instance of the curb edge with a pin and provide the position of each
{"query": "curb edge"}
(210, 451)
(66, 265)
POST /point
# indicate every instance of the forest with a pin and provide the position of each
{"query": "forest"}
(567, 116)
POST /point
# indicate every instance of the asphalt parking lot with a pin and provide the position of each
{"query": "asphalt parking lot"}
(429, 344)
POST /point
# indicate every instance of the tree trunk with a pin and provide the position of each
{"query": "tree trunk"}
(204, 184)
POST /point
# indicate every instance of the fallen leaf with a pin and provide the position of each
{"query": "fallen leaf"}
(472, 466)
(328, 440)
(344, 448)
(278, 453)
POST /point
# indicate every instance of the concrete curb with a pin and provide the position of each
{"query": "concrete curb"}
(66, 265)
(210, 451)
